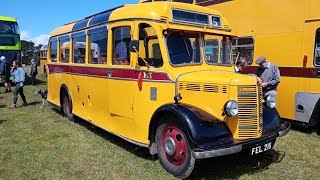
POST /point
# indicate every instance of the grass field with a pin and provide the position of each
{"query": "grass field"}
(42, 144)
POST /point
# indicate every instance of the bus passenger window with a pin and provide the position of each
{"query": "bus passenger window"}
(121, 40)
(317, 49)
(244, 46)
(211, 50)
(99, 42)
(53, 50)
(79, 48)
(65, 49)
(149, 46)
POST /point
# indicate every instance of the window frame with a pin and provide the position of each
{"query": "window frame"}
(97, 30)
(201, 42)
(74, 35)
(60, 39)
(113, 48)
(315, 48)
(217, 63)
(50, 48)
(244, 46)
(150, 46)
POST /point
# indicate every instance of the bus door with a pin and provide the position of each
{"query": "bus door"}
(121, 79)
(309, 91)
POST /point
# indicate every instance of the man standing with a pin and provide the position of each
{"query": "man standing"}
(33, 72)
(5, 73)
(269, 74)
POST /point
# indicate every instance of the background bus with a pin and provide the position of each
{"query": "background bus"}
(43, 59)
(287, 32)
(10, 45)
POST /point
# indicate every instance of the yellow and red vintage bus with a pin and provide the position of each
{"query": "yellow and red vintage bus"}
(287, 32)
(43, 59)
(160, 75)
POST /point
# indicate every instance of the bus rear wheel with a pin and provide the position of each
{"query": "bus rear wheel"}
(67, 106)
(173, 150)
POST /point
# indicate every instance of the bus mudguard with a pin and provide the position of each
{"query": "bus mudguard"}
(203, 129)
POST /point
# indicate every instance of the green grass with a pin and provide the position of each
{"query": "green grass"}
(42, 144)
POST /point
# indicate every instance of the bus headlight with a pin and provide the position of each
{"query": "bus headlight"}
(271, 101)
(231, 108)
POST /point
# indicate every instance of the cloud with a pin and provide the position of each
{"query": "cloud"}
(25, 35)
(41, 39)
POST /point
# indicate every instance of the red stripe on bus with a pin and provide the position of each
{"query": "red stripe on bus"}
(288, 71)
(104, 72)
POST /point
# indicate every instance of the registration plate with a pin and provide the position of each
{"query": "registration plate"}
(261, 148)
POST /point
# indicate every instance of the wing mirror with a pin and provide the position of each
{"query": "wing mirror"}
(134, 46)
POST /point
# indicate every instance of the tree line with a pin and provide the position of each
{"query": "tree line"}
(30, 51)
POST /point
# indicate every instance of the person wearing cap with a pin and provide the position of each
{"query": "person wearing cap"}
(5, 73)
(269, 74)
(240, 65)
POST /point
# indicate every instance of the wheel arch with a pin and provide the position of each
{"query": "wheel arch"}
(64, 89)
(201, 127)
(315, 116)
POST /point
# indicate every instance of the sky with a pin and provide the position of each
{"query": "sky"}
(38, 18)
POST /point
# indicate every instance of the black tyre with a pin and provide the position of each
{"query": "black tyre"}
(67, 106)
(173, 149)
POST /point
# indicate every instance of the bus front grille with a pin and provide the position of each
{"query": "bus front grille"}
(249, 119)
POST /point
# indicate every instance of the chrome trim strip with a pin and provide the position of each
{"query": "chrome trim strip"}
(285, 131)
(247, 106)
(122, 137)
(217, 152)
(247, 95)
(247, 117)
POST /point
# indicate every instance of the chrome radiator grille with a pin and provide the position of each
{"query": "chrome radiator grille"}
(250, 112)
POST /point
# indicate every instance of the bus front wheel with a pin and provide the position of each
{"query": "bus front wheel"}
(173, 149)
(67, 106)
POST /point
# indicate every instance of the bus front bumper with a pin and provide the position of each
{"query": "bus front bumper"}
(246, 145)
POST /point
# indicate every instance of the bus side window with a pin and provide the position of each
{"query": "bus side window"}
(64, 49)
(79, 47)
(99, 44)
(121, 40)
(317, 49)
(245, 46)
(149, 46)
(53, 50)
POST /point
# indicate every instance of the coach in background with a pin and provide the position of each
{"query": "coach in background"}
(270, 76)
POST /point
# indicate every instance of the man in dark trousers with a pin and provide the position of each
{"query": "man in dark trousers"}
(33, 71)
(270, 76)
(5, 73)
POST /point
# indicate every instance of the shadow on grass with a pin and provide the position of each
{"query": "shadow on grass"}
(34, 103)
(129, 147)
(2, 106)
(303, 129)
(234, 166)
(2, 121)
(225, 167)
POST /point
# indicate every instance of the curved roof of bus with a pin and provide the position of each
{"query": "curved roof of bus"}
(151, 10)
(7, 18)
(44, 47)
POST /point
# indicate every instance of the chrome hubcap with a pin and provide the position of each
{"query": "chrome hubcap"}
(170, 146)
